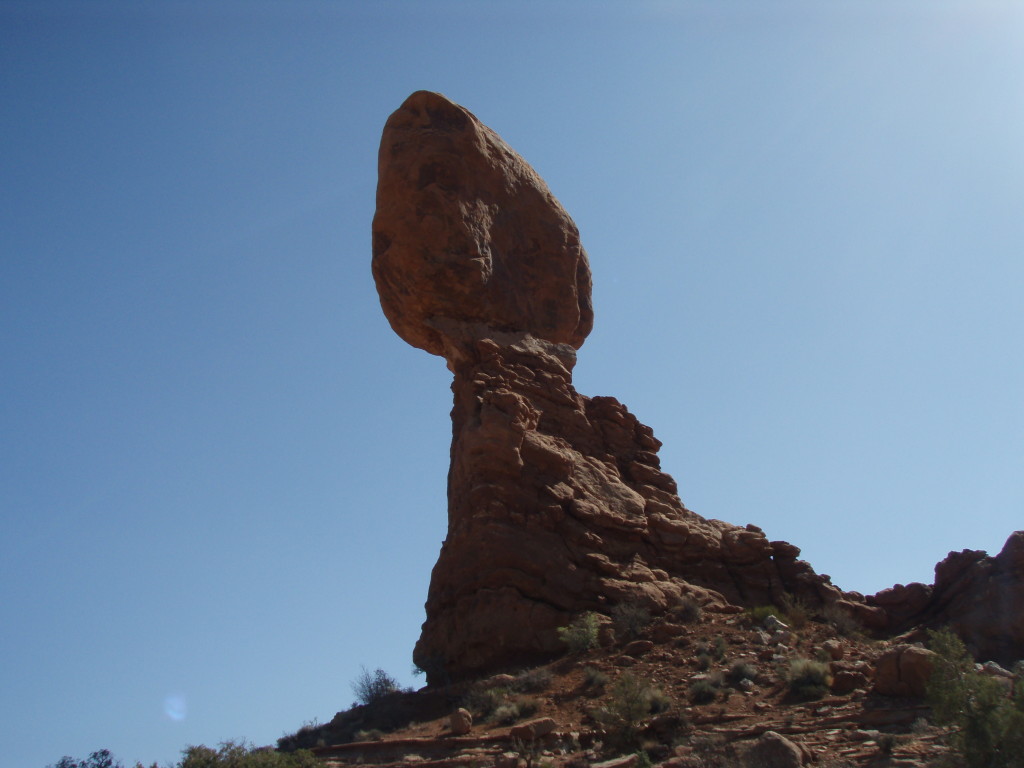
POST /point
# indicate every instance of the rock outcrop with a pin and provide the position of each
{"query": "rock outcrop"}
(979, 597)
(556, 501)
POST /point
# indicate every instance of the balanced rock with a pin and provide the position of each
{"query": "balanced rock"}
(467, 234)
(556, 502)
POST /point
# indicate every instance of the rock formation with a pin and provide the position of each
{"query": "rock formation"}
(980, 597)
(556, 501)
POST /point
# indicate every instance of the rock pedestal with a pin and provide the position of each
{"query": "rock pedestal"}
(556, 502)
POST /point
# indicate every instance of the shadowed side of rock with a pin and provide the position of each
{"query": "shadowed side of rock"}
(978, 596)
(558, 505)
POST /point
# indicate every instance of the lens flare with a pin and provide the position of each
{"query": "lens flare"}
(175, 707)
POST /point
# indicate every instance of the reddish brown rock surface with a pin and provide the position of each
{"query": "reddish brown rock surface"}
(465, 230)
(980, 597)
(556, 501)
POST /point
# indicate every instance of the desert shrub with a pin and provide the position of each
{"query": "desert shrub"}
(740, 671)
(532, 681)
(798, 614)
(886, 743)
(594, 678)
(506, 714)
(483, 701)
(718, 648)
(703, 691)
(842, 622)
(758, 614)
(630, 619)
(988, 722)
(808, 679)
(632, 699)
(715, 651)
(372, 734)
(371, 687)
(687, 610)
(581, 635)
(232, 754)
(659, 701)
(101, 758)
(527, 706)
(704, 661)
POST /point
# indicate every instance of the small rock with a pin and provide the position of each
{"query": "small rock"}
(993, 669)
(846, 681)
(834, 649)
(619, 762)
(638, 647)
(773, 624)
(460, 722)
(773, 750)
(662, 633)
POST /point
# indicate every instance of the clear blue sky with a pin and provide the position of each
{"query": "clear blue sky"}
(222, 476)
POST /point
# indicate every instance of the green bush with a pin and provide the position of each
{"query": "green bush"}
(808, 679)
(632, 699)
(988, 721)
(371, 687)
(581, 635)
(758, 614)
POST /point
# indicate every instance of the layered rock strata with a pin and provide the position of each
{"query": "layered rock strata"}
(556, 502)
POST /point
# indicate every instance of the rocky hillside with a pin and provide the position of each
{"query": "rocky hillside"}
(693, 690)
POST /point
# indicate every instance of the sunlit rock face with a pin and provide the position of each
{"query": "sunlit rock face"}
(466, 232)
(556, 501)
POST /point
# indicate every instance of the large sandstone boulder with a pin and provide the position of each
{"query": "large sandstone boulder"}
(773, 750)
(466, 231)
(904, 671)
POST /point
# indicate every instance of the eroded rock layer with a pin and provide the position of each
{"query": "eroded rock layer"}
(556, 502)
(557, 505)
